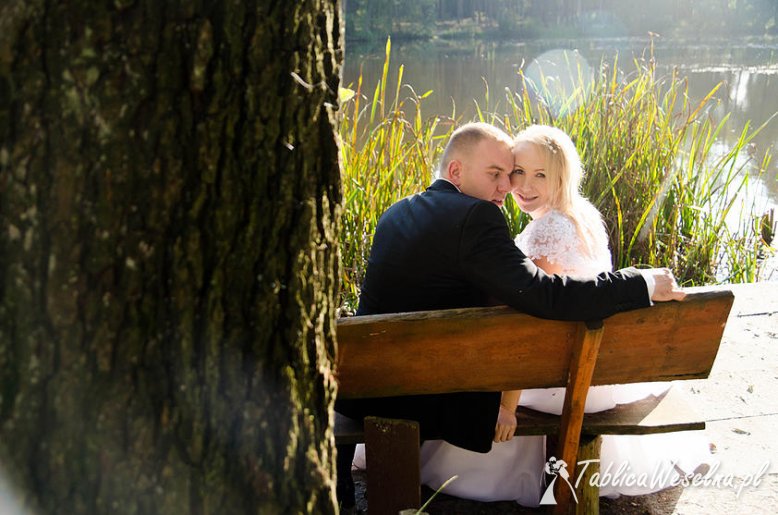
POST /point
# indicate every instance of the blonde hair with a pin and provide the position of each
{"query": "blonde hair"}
(466, 138)
(564, 174)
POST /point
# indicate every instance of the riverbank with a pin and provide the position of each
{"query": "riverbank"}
(500, 21)
(739, 401)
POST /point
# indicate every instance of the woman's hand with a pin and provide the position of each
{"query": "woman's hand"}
(506, 424)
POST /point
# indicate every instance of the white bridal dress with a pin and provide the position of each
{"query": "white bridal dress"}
(514, 470)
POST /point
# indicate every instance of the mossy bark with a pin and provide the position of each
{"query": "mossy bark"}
(169, 197)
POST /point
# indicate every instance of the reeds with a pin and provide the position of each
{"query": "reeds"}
(389, 151)
(654, 166)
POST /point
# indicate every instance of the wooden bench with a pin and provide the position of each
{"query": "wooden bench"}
(498, 348)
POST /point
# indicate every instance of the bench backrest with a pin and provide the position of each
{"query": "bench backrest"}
(498, 348)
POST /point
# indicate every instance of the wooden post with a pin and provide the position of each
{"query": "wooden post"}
(393, 475)
(582, 364)
(588, 495)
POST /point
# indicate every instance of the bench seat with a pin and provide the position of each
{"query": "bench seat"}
(668, 413)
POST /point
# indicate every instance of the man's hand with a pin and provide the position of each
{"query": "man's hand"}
(506, 425)
(665, 287)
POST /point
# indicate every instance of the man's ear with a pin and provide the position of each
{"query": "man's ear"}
(455, 172)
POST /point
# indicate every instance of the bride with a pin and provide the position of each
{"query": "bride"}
(566, 236)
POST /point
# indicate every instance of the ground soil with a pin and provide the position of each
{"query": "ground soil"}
(660, 503)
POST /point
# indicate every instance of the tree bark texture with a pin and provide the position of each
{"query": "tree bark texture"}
(169, 203)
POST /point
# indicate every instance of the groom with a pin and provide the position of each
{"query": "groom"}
(449, 247)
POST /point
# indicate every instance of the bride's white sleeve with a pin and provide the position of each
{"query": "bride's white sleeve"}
(555, 238)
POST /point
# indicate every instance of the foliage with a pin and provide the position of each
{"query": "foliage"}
(389, 151)
(376, 19)
(669, 195)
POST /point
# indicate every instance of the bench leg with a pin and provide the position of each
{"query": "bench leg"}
(392, 454)
(588, 495)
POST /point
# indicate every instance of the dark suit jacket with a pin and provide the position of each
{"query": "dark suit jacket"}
(443, 249)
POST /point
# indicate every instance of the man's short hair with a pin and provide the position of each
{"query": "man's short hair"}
(468, 136)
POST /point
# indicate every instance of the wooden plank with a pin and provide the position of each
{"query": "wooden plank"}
(348, 430)
(581, 370)
(664, 414)
(671, 340)
(384, 355)
(498, 348)
(392, 455)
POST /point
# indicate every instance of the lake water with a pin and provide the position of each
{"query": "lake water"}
(748, 68)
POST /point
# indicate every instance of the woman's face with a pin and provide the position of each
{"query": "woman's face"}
(529, 183)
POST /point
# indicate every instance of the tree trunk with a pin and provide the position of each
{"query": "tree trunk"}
(169, 197)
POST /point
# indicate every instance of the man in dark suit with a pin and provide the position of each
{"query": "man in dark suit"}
(450, 247)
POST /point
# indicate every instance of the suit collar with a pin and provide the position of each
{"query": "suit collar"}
(442, 184)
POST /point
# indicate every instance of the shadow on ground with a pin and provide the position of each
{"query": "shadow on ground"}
(660, 503)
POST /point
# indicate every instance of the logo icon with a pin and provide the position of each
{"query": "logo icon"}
(556, 468)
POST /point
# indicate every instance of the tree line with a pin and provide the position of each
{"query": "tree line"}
(375, 19)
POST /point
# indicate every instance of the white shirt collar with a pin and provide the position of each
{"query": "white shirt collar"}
(451, 183)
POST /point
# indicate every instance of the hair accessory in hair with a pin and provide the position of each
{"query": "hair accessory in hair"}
(552, 145)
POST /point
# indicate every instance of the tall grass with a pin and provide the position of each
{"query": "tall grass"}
(667, 193)
(389, 151)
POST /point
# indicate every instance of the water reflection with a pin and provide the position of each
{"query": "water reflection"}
(457, 73)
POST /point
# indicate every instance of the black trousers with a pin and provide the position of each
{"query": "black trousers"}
(465, 419)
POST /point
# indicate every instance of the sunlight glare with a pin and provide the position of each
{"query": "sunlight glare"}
(561, 79)
(8, 503)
